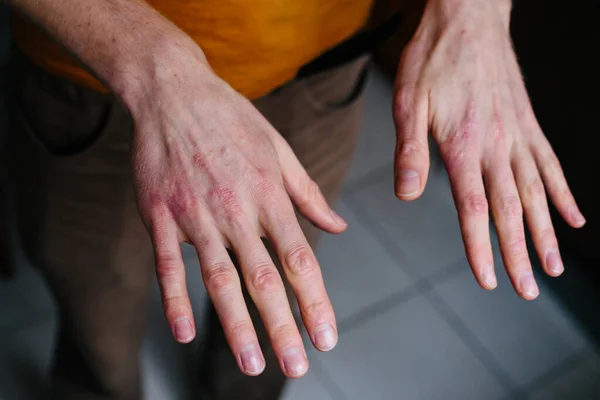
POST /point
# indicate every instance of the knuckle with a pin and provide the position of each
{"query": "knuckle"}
(167, 265)
(317, 310)
(547, 236)
(510, 206)
(517, 248)
(284, 331)
(265, 278)
(171, 303)
(404, 101)
(553, 163)
(240, 328)
(301, 261)
(535, 189)
(311, 192)
(264, 186)
(266, 190)
(219, 277)
(474, 204)
(228, 200)
(455, 157)
(410, 147)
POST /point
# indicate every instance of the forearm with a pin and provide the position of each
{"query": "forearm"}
(125, 43)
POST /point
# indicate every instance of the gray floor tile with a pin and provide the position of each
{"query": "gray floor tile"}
(24, 360)
(356, 269)
(579, 383)
(526, 338)
(307, 388)
(408, 353)
(426, 230)
(377, 134)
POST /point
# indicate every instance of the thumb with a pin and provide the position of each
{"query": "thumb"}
(304, 192)
(411, 166)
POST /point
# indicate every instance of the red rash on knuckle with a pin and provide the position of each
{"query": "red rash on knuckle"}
(228, 200)
(300, 261)
(454, 158)
(316, 311)
(199, 162)
(475, 204)
(265, 278)
(218, 278)
(510, 206)
(536, 189)
(518, 248)
(176, 203)
(408, 148)
(167, 265)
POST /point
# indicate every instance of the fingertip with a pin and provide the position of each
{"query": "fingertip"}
(554, 265)
(251, 360)
(339, 223)
(295, 362)
(576, 218)
(183, 330)
(488, 279)
(408, 184)
(528, 288)
(325, 337)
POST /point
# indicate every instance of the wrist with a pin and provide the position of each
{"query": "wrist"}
(473, 12)
(162, 65)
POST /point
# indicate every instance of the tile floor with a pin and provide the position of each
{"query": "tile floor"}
(413, 324)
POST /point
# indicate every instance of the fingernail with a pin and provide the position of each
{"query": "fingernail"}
(253, 362)
(489, 277)
(554, 262)
(184, 332)
(337, 219)
(528, 287)
(325, 338)
(295, 362)
(408, 182)
(577, 216)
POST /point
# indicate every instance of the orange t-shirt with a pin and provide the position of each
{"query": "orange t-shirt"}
(254, 45)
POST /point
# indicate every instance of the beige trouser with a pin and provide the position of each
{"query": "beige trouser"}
(69, 161)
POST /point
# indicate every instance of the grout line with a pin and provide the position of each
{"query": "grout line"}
(378, 233)
(557, 371)
(443, 309)
(321, 374)
(470, 339)
(378, 308)
(402, 296)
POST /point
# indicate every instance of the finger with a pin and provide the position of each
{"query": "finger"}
(304, 192)
(268, 293)
(472, 206)
(170, 273)
(223, 286)
(535, 205)
(304, 274)
(556, 184)
(508, 216)
(412, 152)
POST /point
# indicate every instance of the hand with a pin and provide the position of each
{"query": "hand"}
(459, 78)
(211, 171)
